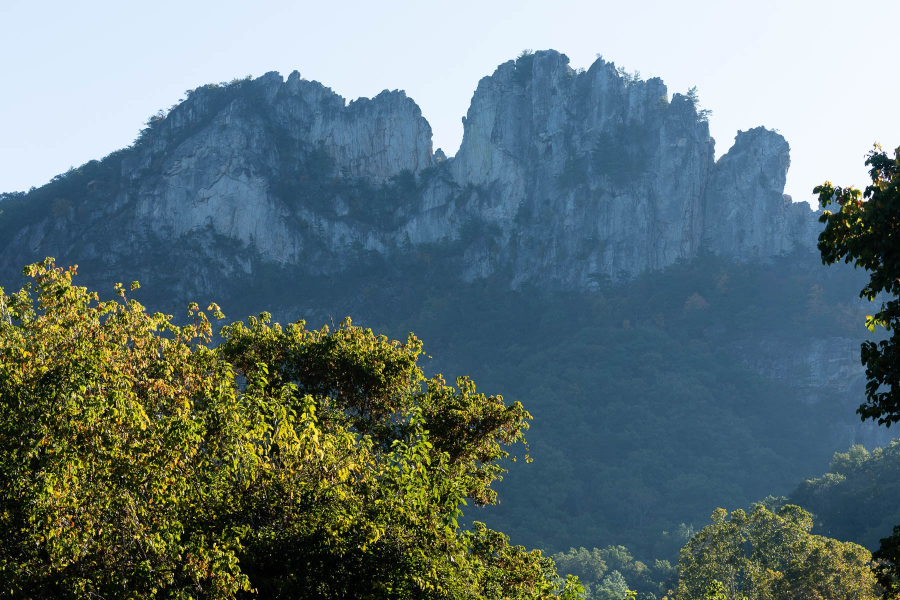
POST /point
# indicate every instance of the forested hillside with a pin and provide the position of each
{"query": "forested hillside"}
(651, 408)
(664, 317)
(857, 499)
(657, 399)
(649, 412)
(347, 407)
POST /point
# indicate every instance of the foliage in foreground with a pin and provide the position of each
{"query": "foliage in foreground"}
(766, 555)
(863, 231)
(137, 461)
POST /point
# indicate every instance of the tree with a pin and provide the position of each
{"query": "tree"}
(702, 114)
(857, 499)
(629, 78)
(611, 587)
(766, 555)
(110, 423)
(863, 231)
(613, 573)
(887, 569)
(137, 460)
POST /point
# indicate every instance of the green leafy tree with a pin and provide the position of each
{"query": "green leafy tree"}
(611, 587)
(862, 231)
(139, 461)
(110, 420)
(613, 571)
(766, 555)
(857, 499)
(887, 570)
(588, 565)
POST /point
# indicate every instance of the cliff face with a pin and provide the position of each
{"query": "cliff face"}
(242, 174)
(746, 214)
(824, 373)
(587, 176)
(583, 175)
(563, 179)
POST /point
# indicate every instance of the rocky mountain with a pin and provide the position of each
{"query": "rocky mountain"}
(564, 179)
(663, 314)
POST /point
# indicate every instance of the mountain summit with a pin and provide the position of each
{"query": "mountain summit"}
(564, 179)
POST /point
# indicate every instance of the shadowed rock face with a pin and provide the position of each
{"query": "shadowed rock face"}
(590, 176)
(563, 179)
(582, 175)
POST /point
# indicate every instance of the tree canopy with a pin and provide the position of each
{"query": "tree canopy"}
(139, 460)
(863, 231)
(857, 499)
(770, 555)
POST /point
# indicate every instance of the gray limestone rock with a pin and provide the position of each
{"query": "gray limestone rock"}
(747, 214)
(564, 178)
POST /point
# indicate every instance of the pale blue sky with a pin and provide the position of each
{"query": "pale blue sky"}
(79, 78)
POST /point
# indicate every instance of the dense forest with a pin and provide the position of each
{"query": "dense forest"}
(648, 413)
(668, 433)
(140, 457)
(856, 499)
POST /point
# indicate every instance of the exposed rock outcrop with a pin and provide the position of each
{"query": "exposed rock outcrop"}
(584, 175)
(747, 215)
(564, 178)
(824, 372)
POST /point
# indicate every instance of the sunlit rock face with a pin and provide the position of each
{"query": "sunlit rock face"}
(585, 175)
(238, 175)
(564, 179)
(746, 214)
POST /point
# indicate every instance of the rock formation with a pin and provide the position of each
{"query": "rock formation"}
(564, 178)
(746, 214)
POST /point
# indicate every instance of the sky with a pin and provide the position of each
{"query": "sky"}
(80, 78)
